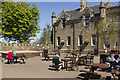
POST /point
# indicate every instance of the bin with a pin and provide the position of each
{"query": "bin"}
(45, 52)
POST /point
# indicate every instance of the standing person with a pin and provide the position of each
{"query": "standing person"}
(13, 58)
(1, 57)
(59, 60)
(10, 54)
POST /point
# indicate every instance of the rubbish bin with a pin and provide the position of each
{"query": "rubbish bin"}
(45, 52)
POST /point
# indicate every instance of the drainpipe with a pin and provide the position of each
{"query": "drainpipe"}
(54, 38)
(74, 36)
(97, 41)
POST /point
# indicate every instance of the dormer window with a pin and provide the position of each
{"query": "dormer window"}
(87, 21)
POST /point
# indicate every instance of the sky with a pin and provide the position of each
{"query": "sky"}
(64, 0)
(46, 8)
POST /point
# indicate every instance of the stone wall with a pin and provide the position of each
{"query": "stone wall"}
(23, 47)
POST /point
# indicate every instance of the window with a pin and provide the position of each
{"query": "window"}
(68, 40)
(93, 40)
(63, 22)
(58, 41)
(115, 45)
(80, 40)
(86, 20)
(108, 45)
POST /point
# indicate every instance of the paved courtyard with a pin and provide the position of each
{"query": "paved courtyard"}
(37, 68)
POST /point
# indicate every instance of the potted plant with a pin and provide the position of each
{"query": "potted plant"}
(86, 42)
(62, 42)
(114, 50)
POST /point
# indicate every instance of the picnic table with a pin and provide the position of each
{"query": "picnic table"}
(66, 61)
(91, 74)
(83, 58)
(115, 73)
(18, 56)
(49, 56)
(94, 66)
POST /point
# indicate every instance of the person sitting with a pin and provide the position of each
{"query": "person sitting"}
(14, 55)
(59, 60)
(112, 61)
(10, 54)
(1, 57)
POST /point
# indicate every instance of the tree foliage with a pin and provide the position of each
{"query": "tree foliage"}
(19, 21)
(108, 30)
(46, 34)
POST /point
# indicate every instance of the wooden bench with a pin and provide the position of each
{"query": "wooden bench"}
(88, 72)
(88, 67)
(90, 75)
(48, 56)
(114, 73)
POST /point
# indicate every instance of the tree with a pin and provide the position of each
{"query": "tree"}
(19, 21)
(108, 30)
(46, 34)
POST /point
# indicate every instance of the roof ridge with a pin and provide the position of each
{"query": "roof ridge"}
(79, 8)
(72, 10)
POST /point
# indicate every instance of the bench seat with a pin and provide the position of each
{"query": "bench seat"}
(88, 67)
(88, 72)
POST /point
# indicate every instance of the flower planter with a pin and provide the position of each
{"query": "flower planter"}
(86, 42)
(62, 42)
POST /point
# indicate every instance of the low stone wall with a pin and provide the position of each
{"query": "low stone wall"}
(22, 47)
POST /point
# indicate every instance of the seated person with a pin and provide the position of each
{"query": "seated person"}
(10, 54)
(1, 57)
(111, 60)
(60, 63)
(14, 54)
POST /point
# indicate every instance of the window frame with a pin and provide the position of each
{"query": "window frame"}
(58, 43)
(92, 44)
(80, 40)
(68, 40)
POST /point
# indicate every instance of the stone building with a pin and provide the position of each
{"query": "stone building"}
(76, 29)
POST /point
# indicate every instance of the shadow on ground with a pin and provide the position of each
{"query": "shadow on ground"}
(46, 59)
(86, 76)
(15, 62)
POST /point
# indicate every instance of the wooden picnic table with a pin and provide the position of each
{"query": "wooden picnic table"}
(66, 61)
(115, 73)
(18, 55)
(50, 55)
(83, 58)
(94, 66)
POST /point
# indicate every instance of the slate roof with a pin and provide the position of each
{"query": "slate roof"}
(76, 14)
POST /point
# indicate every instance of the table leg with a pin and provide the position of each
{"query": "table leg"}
(66, 65)
(86, 60)
(92, 69)
(90, 61)
(83, 61)
(119, 77)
